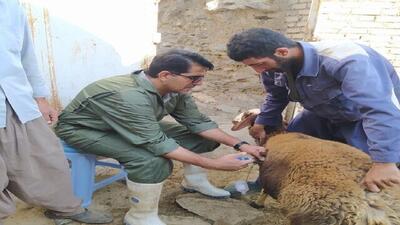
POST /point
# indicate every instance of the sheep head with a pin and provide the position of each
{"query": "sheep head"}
(245, 119)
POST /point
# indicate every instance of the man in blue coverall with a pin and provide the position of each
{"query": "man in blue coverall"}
(350, 93)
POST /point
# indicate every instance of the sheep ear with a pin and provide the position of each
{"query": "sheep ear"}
(248, 121)
(244, 119)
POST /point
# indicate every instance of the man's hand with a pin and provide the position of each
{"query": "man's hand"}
(48, 113)
(256, 151)
(380, 176)
(232, 162)
(258, 133)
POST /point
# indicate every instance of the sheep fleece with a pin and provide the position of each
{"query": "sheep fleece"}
(317, 183)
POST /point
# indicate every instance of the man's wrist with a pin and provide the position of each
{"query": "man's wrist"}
(238, 145)
(209, 163)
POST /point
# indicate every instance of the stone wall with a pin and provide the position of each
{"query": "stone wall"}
(206, 26)
(374, 23)
(190, 24)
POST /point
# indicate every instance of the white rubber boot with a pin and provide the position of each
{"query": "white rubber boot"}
(195, 180)
(144, 199)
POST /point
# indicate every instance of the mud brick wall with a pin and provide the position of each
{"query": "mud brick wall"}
(296, 18)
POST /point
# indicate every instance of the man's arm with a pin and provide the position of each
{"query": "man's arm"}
(221, 137)
(368, 84)
(132, 115)
(228, 162)
(186, 113)
(271, 110)
(35, 78)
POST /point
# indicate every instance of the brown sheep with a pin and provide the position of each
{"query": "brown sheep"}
(317, 182)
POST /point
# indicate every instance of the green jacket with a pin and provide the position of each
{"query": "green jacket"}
(130, 106)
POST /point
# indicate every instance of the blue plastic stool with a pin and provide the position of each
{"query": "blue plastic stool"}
(83, 172)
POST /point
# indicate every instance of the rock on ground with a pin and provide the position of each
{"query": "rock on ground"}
(222, 211)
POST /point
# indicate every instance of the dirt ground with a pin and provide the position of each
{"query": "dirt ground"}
(221, 97)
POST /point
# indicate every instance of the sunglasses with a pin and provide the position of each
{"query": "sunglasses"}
(194, 77)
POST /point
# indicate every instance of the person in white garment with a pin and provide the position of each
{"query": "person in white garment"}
(32, 163)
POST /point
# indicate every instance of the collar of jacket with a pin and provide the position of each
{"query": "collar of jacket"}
(145, 83)
(311, 60)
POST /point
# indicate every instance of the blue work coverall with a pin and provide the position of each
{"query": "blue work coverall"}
(350, 93)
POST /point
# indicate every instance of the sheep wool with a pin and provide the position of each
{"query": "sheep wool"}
(317, 182)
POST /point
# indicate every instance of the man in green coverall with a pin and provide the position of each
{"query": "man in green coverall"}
(120, 117)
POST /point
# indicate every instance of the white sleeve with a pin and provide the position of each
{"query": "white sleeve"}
(30, 64)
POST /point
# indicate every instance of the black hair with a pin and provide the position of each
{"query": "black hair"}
(169, 62)
(256, 43)
(193, 56)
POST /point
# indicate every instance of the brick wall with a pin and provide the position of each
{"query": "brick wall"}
(374, 23)
(296, 18)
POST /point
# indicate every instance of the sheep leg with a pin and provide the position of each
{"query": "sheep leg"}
(259, 203)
